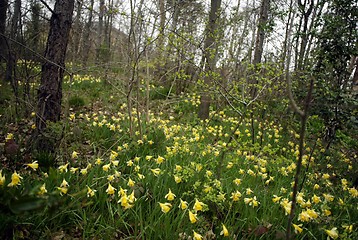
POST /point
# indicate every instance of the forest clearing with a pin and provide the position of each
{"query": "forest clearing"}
(178, 119)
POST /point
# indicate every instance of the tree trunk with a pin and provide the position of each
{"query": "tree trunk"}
(259, 43)
(86, 41)
(50, 91)
(102, 8)
(3, 47)
(77, 31)
(210, 47)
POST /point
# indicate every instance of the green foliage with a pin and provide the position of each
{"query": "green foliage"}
(76, 101)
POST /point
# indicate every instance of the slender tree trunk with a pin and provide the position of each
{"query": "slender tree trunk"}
(3, 44)
(50, 91)
(86, 41)
(259, 42)
(77, 30)
(211, 39)
(100, 30)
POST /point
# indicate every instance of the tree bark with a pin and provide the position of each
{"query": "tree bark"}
(50, 91)
(86, 41)
(3, 47)
(259, 43)
(210, 54)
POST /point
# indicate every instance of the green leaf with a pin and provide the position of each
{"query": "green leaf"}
(26, 204)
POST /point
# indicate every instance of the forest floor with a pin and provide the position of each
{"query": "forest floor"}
(174, 176)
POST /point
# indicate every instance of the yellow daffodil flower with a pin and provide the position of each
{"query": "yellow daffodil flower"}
(235, 196)
(170, 196)
(297, 228)
(90, 192)
(237, 181)
(197, 236)
(74, 155)
(249, 191)
(42, 190)
(155, 171)
(198, 206)
(84, 171)
(63, 168)
(177, 179)
(34, 165)
(2, 178)
(110, 190)
(183, 204)
(131, 183)
(224, 232)
(63, 190)
(192, 217)
(98, 161)
(106, 167)
(160, 160)
(316, 199)
(15, 180)
(165, 207)
(73, 170)
(113, 155)
(333, 233)
(9, 136)
(286, 205)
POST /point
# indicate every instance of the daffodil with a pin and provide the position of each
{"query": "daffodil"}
(348, 228)
(73, 170)
(197, 236)
(178, 168)
(276, 199)
(237, 181)
(63, 168)
(98, 161)
(198, 206)
(110, 190)
(160, 160)
(183, 204)
(34, 165)
(131, 183)
(155, 171)
(170, 196)
(42, 190)
(63, 190)
(2, 178)
(249, 191)
(333, 233)
(298, 228)
(9, 136)
(177, 179)
(286, 205)
(106, 167)
(328, 197)
(235, 196)
(64, 183)
(316, 199)
(113, 155)
(90, 192)
(74, 155)
(84, 171)
(224, 231)
(165, 207)
(192, 217)
(15, 180)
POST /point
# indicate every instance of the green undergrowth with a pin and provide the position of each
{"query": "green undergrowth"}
(179, 177)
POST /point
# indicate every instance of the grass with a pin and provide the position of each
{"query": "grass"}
(106, 184)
